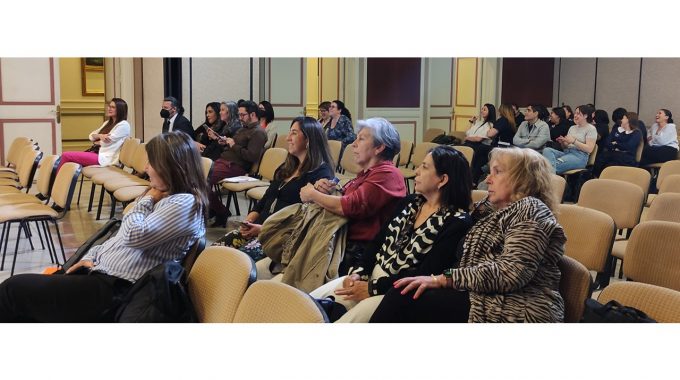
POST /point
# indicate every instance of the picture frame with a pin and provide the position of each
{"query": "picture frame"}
(92, 74)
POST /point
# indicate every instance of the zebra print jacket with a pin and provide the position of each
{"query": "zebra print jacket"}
(509, 264)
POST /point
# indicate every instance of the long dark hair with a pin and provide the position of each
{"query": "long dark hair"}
(342, 109)
(457, 192)
(317, 149)
(267, 113)
(175, 158)
(216, 108)
(121, 114)
(491, 116)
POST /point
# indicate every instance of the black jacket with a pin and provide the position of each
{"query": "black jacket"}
(183, 124)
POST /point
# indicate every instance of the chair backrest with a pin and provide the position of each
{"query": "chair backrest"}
(269, 301)
(281, 141)
(140, 159)
(671, 184)
(636, 176)
(272, 159)
(420, 151)
(591, 156)
(47, 173)
(622, 201)
(667, 168)
(28, 165)
(478, 195)
(659, 303)
(65, 184)
(14, 151)
(467, 151)
(653, 254)
(347, 161)
(335, 147)
(192, 254)
(128, 150)
(666, 207)
(590, 235)
(207, 164)
(638, 151)
(405, 152)
(431, 133)
(575, 288)
(217, 282)
(558, 186)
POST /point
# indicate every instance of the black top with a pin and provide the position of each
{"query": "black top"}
(519, 118)
(557, 130)
(288, 193)
(505, 133)
(602, 134)
(443, 254)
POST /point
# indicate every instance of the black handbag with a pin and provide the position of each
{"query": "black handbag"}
(613, 312)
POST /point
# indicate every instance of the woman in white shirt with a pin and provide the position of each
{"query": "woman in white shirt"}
(662, 138)
(107, 139)
(477, 137)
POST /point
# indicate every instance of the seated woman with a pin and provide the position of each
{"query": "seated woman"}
(477, 137)
(340, 126)
(662, 138)
(559, 125)
(308, 161)
(368, 200)
(621, 145)
(205, 135)
(417, 241)
(324, 114)
(508, 270)
(107, 139)
(266, 116)
(162, 226)
(577, 144)
(504, 128)
(601, 122)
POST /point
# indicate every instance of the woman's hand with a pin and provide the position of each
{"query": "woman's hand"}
(156, 195)
(250, 230)
(419, 283)
(105, 138)
(324, 185)
(80, 264)
(200, 146)
(353, 289)
(307, 192)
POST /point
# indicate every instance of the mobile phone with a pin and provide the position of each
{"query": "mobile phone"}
(335, 181)
(245, 224)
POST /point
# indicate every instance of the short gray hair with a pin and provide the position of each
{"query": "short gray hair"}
(383, 133)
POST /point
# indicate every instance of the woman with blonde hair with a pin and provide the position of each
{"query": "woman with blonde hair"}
(504, 127)
(508, 270)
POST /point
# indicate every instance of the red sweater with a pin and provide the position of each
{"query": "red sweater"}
(370, 198)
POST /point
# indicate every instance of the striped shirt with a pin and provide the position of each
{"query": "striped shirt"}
(150, 234)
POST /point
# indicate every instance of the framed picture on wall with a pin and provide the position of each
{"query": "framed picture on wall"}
(92, 70)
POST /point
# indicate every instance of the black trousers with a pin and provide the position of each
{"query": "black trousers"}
(480, 158)
(655, 154)
(433, 306)
(60, 298)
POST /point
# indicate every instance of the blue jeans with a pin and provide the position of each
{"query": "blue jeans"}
(568, 160)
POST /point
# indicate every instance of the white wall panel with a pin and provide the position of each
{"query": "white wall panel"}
(577, 81)
(660, 87)
(617, 84)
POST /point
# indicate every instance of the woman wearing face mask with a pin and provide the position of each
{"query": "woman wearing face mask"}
(162, 226)
(107, 139)
(308, 161)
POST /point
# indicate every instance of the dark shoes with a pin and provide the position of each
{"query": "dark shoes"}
(221, 220)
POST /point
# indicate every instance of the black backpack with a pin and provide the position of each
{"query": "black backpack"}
(613, 312)
(160, 295)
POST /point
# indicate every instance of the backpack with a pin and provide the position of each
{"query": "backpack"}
(160, 295)
(446, 140)
(613, 312)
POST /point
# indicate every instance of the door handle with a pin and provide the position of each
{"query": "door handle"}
(58, 114)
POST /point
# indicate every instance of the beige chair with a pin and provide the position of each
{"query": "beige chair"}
(26, 169)
(622, 201)
(478, 195)
(666, 169)
(636, 176)
(271, 160)
(590, 163)
(116, 181)
(460, 135)
(590, 234)
(405, 153)
(62, 193)
(575, 288)
(281, 142)
(348, 168)
(558, 186)
(14, 154)
(671, 184)
(46, 174)
(431, 133)
(660, 304)
(419, 153)
(653, 254)
(467, 151)
(217, 282)
(335, 148)
(269, 301)
(125, 158)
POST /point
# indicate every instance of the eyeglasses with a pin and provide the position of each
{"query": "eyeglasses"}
(242, 114)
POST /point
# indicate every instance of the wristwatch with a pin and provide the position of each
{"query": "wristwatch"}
(448, 275)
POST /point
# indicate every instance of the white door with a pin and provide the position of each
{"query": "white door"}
(29, 99)
(285, 89)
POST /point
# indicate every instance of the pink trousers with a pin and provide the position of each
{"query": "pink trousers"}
(82, 158)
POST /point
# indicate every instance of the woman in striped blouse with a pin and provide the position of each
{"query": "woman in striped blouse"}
(164, 224)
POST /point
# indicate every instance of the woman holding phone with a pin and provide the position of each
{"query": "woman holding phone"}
(308, 161)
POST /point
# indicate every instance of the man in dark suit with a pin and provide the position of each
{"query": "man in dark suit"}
(174, 119)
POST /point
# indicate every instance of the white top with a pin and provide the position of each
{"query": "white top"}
(109, 152)
(480, 128)
(667, 136)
